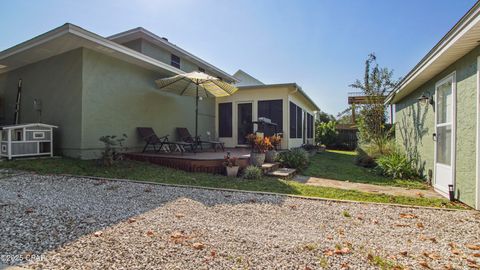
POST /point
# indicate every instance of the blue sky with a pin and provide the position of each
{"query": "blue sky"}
(319, 44)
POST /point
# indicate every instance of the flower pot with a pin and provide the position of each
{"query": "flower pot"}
(270, 156)
(257, 159)
(232, 171)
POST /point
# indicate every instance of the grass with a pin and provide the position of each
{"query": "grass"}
(339, 165)
(153, 173)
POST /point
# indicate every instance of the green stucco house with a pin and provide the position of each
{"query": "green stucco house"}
(437, 112)
(90, 86)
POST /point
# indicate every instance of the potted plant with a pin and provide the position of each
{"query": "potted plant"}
(231, 166)
(258, 146)
(272, 154)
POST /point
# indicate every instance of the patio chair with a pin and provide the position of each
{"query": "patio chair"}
(151, 139)
(185, 136)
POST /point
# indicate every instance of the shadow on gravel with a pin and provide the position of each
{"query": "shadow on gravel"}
(42, 213)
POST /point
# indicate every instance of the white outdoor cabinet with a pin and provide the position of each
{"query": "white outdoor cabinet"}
(27, 140)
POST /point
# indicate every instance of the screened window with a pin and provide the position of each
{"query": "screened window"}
(273, 110)
(309, 126)
(175, 61)
(225, 120)
(296, 121)
(293, 120)
(299, 123)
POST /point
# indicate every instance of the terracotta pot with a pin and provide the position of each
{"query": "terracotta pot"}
(270, 156)
(257, 159)
(232, 171)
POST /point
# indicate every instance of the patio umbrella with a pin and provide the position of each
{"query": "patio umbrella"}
(198, 85)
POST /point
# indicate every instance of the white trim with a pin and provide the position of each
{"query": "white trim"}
(453, 78)
(463, 26)
(82, 33)
(36, 133)
(477, 171)
(176, 50)
(28, 125)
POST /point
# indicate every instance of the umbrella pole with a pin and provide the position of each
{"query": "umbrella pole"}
(196, 116)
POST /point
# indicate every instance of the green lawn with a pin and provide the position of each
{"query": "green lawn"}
(339, 165)
(154, 173)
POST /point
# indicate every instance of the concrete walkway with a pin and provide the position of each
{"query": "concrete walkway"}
(389, 190)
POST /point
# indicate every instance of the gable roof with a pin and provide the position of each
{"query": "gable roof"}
(68, 37)
(142, 33)
(245, 79)
(461, 39)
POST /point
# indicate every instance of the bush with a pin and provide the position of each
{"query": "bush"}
(252, 173)
(113, 149)
(397, 165)
(326, 133)
(296, 158)
(363, 159)
(377, 147)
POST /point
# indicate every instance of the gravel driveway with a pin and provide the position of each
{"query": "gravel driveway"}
(65, 222)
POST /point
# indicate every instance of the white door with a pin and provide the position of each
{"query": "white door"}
(444, 134)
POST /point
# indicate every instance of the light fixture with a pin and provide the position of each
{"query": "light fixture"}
(451, 193)
(3, 66)
(426, 99)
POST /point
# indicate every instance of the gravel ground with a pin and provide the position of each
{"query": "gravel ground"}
(53, 222)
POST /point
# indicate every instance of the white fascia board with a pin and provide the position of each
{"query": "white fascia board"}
(174, 47)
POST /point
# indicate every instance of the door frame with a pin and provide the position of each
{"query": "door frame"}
(453, 77)
(477, 191)
(236, 119)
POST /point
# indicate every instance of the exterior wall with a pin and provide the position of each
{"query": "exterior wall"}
(165, 56)
(302, 102)
(415, 125)
(253, 95)
(57, 83)
(134, 45)
(118, 97)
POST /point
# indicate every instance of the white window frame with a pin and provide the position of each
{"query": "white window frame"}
(35, 133)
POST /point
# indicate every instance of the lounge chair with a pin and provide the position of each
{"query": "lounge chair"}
(185, 136)
(151, 139)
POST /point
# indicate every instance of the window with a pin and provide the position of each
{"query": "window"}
(175, 61)
(201, 69)
(293, 120)
(299, 122)
(273, 110)
(39, 135)
(296, 121)
(309, 126)
(225, 120)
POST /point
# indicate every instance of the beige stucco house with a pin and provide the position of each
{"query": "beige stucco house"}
(90, 86)
(286, 105)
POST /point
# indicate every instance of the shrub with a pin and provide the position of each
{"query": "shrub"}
(363, 159)
(252, 173)
(113, 149)
(397, 165)
(380, 146)
(296, 158)
(326, 133)
(309, 147)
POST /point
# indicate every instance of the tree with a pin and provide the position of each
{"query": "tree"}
(324, 117)
(376, 84)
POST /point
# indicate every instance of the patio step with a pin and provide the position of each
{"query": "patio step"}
(285, 173)
(270, 167)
